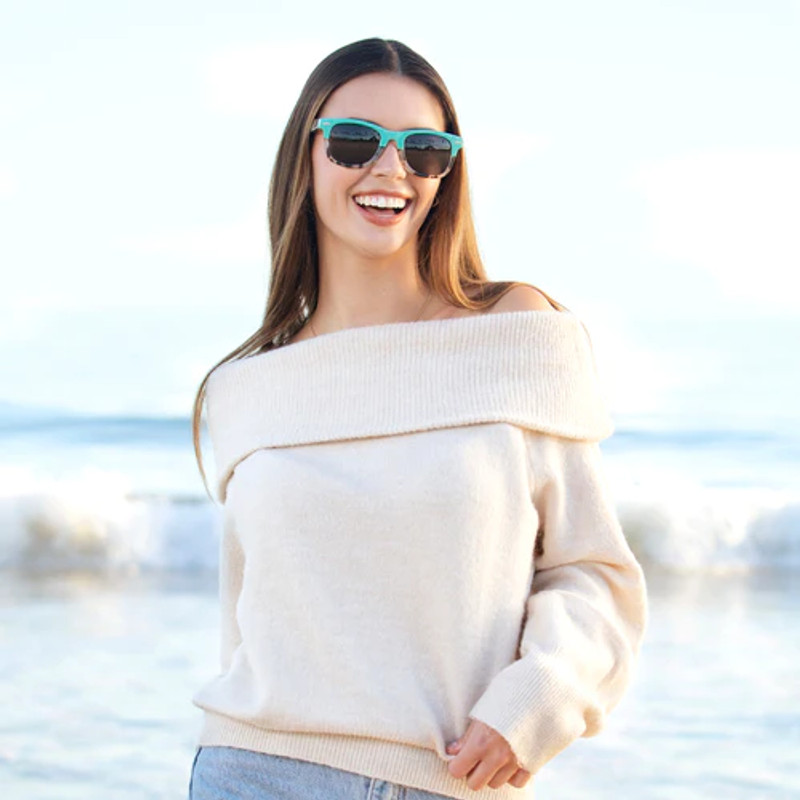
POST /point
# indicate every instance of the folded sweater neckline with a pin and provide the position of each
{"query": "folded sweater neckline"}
(388, 328)
(534, 369)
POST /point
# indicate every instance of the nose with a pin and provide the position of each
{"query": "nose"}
(389, 163)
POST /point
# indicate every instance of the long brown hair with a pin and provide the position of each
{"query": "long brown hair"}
(448, 260)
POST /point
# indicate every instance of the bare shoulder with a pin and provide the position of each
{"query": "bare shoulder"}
(523, 298)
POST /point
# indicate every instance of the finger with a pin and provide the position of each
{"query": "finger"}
(463, 763)
(468, 753)
(482, 774)
(520, 778)
(503, 774)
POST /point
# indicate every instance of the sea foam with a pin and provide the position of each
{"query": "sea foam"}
(95, 521)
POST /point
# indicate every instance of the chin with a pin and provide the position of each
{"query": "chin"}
(383, 247)
(382, 253)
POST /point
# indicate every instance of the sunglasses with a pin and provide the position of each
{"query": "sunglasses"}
(355, 143)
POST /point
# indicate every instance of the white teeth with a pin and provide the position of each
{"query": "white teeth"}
(380, 201)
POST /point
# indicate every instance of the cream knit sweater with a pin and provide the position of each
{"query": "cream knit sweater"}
(381, 578)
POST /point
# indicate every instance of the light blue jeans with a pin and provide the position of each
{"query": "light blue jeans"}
(230, 773)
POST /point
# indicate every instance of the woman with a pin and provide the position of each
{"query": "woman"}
(425, 591)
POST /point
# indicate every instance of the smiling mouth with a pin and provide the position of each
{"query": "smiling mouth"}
(381, 204)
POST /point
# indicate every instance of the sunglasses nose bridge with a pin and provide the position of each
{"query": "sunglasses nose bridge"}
(392, 143)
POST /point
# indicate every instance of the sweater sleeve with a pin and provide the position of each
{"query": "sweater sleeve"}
(585, 615)
(231, 569)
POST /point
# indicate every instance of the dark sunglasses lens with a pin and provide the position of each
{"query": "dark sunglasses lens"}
(427, 153)
(352, 145)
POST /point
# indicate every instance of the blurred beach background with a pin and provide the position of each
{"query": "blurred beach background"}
(639, 161)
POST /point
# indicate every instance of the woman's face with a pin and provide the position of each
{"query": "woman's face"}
(345, 228)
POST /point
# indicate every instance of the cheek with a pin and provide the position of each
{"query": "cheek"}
(426, 192)
(326, 185)
(317, 174)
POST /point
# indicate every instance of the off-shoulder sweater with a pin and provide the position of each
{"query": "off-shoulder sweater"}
(417, 532)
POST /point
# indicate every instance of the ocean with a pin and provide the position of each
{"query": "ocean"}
(109, 618)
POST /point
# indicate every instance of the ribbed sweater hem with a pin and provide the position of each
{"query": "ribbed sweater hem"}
(395, 762)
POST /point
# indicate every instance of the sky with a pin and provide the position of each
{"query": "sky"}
(639, 161)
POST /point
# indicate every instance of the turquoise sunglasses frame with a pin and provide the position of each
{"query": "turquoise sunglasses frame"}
(326, 124)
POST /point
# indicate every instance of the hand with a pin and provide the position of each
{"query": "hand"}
(487, 757)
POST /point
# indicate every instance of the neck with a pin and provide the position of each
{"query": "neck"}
(357, 291)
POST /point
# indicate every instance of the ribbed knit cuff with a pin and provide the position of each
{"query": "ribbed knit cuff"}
(531, 705)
